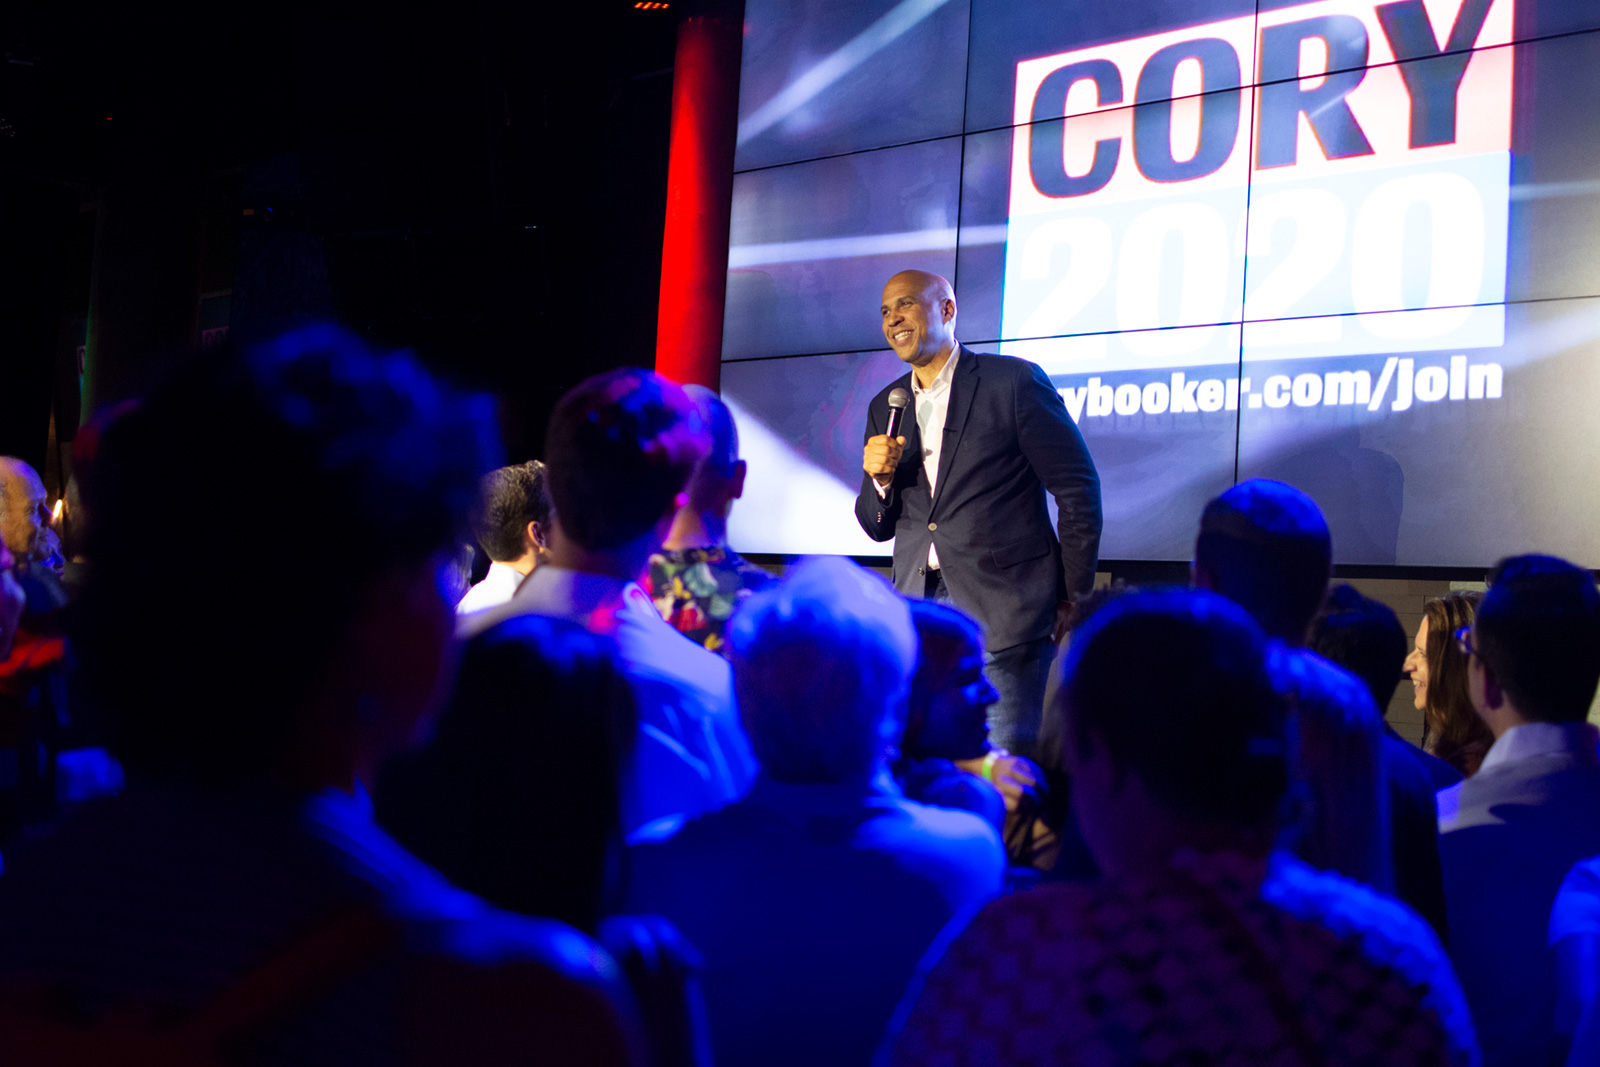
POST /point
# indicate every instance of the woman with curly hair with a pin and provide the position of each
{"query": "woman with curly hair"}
(1451, 729)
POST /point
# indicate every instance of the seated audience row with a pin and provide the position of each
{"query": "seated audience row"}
(723, 820)
(621, 448)
(1203, 942)
(239, 899)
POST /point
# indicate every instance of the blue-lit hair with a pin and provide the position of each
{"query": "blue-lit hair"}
(1176, 686)
(1266, 547)
(315, 467)
(821, 663)
(1538, 629)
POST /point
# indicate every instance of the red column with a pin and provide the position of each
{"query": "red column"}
(694, 249)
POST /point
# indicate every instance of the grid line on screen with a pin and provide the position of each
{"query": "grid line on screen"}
(1533, 298)
(1256, 84)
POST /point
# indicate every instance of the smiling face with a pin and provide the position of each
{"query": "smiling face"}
(919, 316)
(1416, 667)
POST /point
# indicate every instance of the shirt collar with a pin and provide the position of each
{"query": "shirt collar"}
(1543, 739)
(556, 590)
(942, 381)
(504, 573)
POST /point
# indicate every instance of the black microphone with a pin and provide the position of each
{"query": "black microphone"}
(899, 400)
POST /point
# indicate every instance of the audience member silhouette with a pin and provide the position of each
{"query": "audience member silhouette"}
(1510, 833)
(1265, 546)
(621, 447)
(239, 895)
(945, 757)
(1365, 638)
(812, 898)
(516, 796)
(1203, 943)
(697, 581)
(1451, 728)
(512, 525)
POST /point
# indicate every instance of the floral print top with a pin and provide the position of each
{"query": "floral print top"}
(698, 589)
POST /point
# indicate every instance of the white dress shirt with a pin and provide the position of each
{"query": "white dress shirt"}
(497, 587)
(933, 405)
(1508, 836)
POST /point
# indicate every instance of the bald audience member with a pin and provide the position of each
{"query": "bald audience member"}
(696, 580)
(24, 510)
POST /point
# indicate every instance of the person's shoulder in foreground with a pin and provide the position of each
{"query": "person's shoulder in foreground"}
(179, 901)
(1204, 943)
(1227, 961)
(243, 829)
(955, 849)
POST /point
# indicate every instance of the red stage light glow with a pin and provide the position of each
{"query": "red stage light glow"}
(694, 247)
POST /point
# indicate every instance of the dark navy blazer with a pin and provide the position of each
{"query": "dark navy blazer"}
(1008, 441)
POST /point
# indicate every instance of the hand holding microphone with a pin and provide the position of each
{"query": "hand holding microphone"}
(882, 452)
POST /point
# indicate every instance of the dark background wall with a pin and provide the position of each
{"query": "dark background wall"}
(483, 182)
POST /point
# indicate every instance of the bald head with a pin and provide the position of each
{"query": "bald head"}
(936, 286)
(24, 511)
(919, 318)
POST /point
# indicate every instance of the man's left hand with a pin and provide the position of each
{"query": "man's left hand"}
(1063, 617)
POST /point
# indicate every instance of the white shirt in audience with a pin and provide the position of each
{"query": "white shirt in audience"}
(497, 587)
(1507, 837)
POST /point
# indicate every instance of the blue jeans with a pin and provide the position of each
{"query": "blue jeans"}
(1019, 674)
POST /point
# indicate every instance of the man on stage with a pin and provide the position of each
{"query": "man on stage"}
(961, 487)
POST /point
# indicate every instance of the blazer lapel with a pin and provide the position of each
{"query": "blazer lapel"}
(962, 385)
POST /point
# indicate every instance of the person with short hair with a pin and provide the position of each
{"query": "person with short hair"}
(1452, 729)
(1203, 942)
(1364, 637)
(512, 525)
(1511, 832)
(621, 447)
(696, 580)
(813, 898)
(962, 489)
(945, 757)
(225, 887)
(1266, 546)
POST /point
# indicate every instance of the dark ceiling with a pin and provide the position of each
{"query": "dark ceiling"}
(482, 181)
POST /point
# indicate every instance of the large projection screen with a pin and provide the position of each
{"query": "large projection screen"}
(1351, 245)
